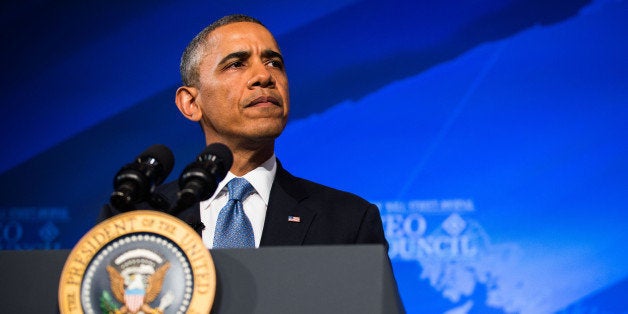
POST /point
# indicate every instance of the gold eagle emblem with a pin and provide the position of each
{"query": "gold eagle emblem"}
(151, 288)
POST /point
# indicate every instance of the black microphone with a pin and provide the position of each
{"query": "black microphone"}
(136, 181)
(199, 180)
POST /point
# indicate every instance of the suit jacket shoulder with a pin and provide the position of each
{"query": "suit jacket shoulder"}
(325, 215)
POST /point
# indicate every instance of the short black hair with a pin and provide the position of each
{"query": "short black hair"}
(195, 50)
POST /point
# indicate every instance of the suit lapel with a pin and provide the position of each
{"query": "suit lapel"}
(286, 196)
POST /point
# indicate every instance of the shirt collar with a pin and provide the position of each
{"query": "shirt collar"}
(261, 178)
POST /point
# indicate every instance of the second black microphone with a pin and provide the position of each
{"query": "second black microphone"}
(199, 180)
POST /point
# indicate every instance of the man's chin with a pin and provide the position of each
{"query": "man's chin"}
(261, 134)
(267, 128)
(267, 136)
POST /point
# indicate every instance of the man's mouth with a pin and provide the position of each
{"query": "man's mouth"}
(264, 101)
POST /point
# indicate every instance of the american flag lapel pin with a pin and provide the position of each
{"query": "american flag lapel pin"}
(294, 219)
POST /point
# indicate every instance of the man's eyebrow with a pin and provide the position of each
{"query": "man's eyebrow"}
(239, 55)
(271, 54)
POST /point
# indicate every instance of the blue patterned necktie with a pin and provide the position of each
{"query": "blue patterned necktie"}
(233, 228)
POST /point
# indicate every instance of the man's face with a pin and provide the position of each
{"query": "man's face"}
(243, 92)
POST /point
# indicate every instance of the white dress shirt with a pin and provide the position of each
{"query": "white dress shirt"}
(261, 178)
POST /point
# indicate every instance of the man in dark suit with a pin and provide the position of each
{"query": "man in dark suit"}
(235, 85)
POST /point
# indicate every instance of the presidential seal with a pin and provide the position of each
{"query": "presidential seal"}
(138, 262)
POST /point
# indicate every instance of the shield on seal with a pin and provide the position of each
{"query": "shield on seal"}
(134, 294)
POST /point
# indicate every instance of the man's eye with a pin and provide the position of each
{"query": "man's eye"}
(276, 64)
(236, 64)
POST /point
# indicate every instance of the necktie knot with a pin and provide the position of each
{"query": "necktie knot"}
(239, 189)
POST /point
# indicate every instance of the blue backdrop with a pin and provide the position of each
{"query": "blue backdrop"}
(491, 134)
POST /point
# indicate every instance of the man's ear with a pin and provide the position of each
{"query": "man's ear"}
(186, 101)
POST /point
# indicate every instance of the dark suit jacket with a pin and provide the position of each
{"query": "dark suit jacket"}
(327, 216)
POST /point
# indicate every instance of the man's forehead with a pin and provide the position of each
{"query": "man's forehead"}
(243, 34)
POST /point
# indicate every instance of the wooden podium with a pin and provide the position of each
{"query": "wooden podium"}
(305, 279)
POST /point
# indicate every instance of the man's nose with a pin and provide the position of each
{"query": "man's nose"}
(261, 76)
